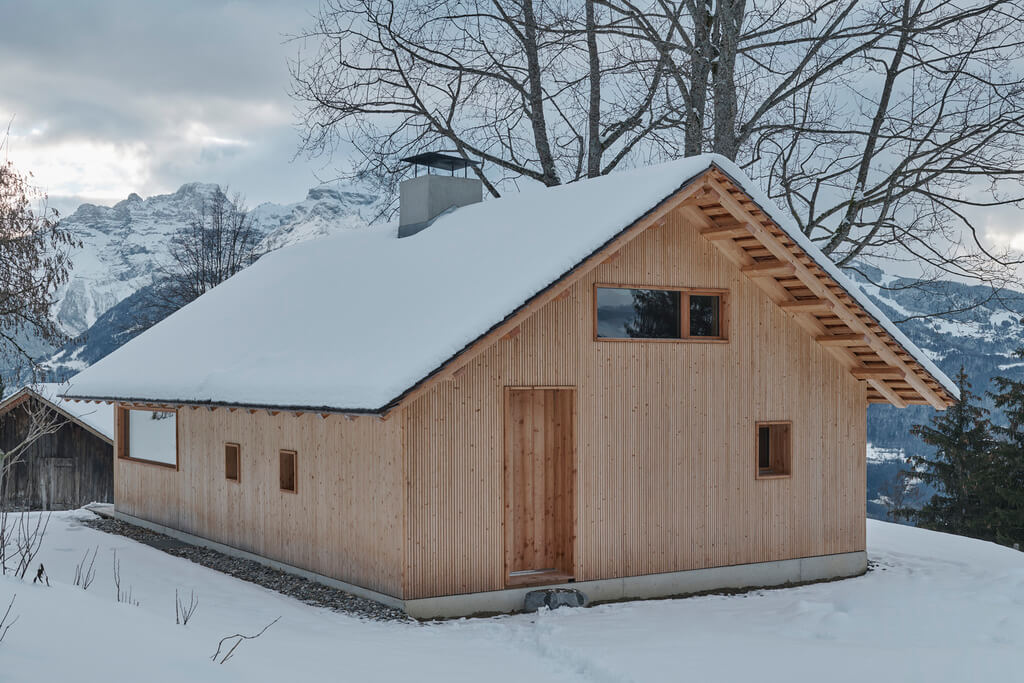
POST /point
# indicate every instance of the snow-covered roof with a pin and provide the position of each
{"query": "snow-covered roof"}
(98, 418)
(352, 322)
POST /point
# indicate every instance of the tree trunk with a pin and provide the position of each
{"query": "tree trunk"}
(700, 70)
(535, 88)
(594, 147)
(729, 22)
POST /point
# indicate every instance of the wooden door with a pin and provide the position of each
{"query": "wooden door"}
(540, 471)
(61, 483)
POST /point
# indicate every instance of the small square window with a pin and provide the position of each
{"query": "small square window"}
(232, 464)
(705, 319)
(288, 471)
(774, 449)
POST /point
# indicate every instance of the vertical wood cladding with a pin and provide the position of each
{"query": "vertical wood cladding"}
(665, 436)
(344, 521)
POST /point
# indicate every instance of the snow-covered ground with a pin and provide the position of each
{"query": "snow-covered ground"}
(935, 608)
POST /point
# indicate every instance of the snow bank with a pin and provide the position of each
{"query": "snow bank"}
(934, 608)
(352, 322)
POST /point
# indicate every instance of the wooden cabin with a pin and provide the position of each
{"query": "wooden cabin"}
(63, 470)
(640, 385)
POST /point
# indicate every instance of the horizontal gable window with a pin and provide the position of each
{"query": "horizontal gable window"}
(637, 313)
(632, 313)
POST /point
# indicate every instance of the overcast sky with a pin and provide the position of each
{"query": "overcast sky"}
(111, 97)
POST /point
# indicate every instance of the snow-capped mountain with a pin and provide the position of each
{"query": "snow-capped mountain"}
(122, 245)
(325, 211)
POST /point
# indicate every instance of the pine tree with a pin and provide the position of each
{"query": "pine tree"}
(1008, 505)
(961, 469)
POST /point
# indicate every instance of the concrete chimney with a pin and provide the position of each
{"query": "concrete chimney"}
(425, 197)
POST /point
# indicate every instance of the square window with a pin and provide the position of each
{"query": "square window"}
(288, 471)
(232, 464)
(774, 449)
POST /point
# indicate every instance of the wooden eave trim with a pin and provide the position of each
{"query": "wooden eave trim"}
(252, 408)
(562, 283)
(824, 290)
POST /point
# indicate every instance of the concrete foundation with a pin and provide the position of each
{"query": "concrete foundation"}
(742, 576)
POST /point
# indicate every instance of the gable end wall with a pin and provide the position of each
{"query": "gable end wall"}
(665, 436)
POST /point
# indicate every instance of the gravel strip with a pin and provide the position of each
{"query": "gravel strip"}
(309, 592)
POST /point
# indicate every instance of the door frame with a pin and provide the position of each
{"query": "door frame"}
(506, 489)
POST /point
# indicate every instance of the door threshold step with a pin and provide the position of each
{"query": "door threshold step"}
(519, 579)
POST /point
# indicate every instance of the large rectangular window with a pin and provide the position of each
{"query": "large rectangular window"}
(150, 435)
(658, 314)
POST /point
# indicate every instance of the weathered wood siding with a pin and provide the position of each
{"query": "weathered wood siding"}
(666, 437)
(61, 471)
(344, 521)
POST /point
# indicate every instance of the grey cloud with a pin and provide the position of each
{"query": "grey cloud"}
(130, 72)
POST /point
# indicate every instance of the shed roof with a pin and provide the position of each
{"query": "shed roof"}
(353, 323)
(95, 417)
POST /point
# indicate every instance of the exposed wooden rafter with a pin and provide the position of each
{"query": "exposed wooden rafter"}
(818, 287)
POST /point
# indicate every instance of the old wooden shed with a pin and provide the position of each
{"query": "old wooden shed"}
(63, 470)
(639, 385)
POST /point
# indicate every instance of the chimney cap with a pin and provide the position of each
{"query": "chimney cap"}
(445, 162)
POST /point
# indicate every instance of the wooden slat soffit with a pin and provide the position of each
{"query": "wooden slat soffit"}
(732, 222)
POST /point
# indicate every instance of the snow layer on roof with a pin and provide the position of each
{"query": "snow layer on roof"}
(352, 322)
(99, 417)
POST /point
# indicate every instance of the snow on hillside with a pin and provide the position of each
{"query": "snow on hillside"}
(324, 212)
(122, 245)
(933, 608)
(877, 454)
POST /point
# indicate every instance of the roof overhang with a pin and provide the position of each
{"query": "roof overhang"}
(747, 235)
(773, 259)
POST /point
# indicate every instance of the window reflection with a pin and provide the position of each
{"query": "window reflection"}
(638, 313)
(704, 316)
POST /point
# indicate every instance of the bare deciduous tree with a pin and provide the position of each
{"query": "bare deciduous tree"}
(20, 536)
(34, 262)
(219, 240)
(880, 127)
(536, 89)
